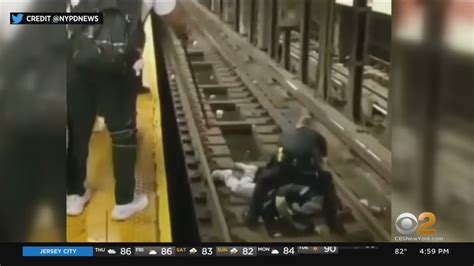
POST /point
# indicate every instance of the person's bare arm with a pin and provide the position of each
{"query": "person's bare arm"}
(177, 20)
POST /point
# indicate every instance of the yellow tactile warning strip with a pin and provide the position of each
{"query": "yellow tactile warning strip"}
(150, 74)
(151, 225)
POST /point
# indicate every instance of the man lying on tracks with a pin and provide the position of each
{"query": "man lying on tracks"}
(240, 182)
(298, 205)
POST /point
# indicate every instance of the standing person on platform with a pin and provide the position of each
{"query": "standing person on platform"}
(104, 64)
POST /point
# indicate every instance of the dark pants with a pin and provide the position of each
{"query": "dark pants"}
(116, 95)
(274, 177)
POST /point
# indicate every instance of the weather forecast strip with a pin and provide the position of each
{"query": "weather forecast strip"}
(261, 250)
(172, 251)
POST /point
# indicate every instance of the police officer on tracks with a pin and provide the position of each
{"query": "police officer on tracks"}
(301, 160)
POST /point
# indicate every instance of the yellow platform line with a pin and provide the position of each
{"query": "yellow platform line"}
(151, 74)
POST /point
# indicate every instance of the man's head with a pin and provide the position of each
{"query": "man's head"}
(299, 147)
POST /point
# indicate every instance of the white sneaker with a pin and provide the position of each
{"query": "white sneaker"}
(123, 212)
(75, 204)
(248, 169)
(99, 124)
(221, 175)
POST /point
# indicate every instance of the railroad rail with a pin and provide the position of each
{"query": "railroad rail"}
(232, 108)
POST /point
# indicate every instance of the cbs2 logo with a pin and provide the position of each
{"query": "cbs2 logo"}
(408, 223)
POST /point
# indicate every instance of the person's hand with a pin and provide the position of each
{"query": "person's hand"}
(138, 66)
(305, 119)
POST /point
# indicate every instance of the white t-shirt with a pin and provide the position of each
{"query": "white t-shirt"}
(160, 7)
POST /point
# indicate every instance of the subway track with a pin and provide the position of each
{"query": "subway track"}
(256, 109)
(375, 83)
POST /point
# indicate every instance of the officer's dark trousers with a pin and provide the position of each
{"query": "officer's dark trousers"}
(116, 95)
(271, 178)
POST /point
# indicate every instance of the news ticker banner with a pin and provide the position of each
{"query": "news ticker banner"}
(171, 251)
(21, 18)
(397, 249)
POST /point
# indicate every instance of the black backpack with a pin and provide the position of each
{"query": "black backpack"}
(110, 47)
